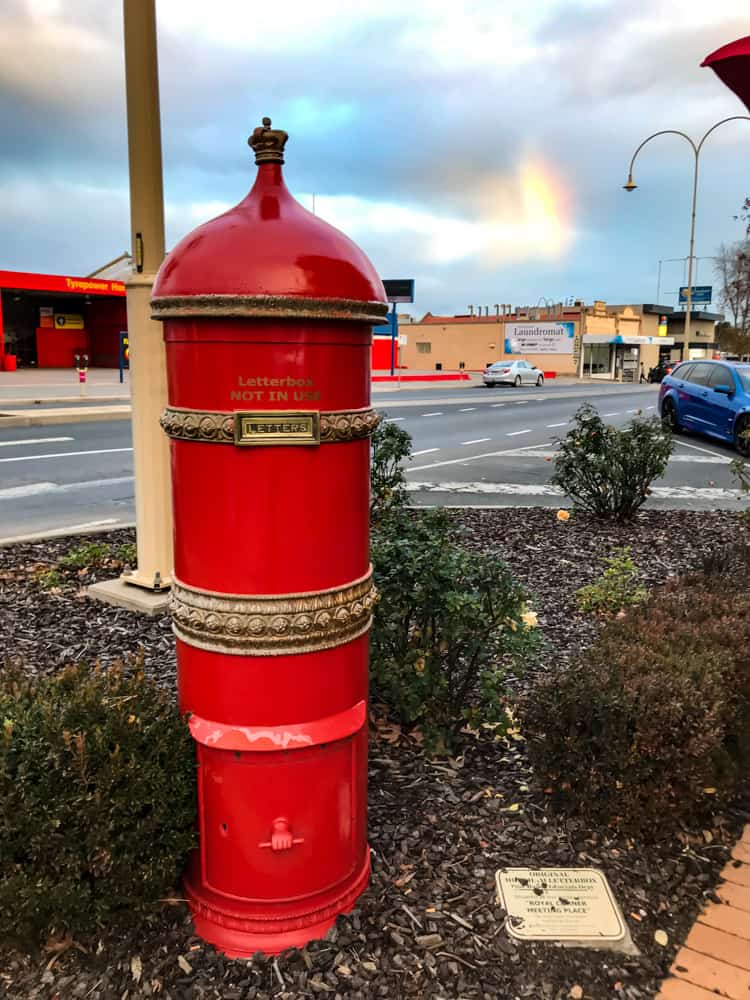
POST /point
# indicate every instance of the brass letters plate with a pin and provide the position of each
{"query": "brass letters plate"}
(277, 427)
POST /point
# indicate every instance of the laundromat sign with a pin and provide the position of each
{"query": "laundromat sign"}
(539, 338)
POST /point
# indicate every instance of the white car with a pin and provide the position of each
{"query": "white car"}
(513, 373)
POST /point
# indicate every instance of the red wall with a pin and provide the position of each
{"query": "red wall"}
(57, 348)
(105, 318)
(381, 353)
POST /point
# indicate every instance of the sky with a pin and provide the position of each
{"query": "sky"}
(477, 147)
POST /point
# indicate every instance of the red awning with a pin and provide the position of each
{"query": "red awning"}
(731, 63)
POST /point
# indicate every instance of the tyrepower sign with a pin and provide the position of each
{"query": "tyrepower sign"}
(539, 338)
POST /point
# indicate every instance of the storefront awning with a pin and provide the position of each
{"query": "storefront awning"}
(595, 338)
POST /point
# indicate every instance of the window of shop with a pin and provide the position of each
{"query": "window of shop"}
(424, 348)
(596, 359)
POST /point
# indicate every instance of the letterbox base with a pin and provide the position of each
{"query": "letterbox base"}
(239, 936)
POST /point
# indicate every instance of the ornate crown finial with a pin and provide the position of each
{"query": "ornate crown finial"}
(268, 143)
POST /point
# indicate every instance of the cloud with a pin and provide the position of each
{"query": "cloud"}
(478, 146)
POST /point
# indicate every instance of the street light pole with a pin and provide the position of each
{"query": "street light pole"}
(630, 185)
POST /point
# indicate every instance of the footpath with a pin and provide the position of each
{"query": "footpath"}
(715, 959)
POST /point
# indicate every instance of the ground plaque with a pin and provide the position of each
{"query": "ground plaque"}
(572, 906)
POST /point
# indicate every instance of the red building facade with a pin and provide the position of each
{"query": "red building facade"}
(46, 319)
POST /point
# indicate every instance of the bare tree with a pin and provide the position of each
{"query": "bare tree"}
(733, 273)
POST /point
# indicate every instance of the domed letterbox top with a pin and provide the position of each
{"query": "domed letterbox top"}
(268, 257)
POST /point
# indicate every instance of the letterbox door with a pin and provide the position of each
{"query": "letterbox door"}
(243, 793)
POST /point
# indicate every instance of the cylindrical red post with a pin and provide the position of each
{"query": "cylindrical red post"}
(267, 321)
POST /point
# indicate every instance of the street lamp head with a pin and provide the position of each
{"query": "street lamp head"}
(630, 184)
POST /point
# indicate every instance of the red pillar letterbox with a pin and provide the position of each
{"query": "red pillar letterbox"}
(267, 322)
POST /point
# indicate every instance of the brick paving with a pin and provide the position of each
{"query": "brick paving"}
(715, 959)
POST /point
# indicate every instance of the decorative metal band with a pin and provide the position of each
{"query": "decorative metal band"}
(272, 626)
(267, 306)
(217, 426)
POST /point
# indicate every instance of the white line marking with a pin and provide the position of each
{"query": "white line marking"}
(695, 447)
(438, 413)
(511, 434)
(495, 405)
(538, 489)
(650, 407)
(36, 489)
(65, 454)
(616, 413)
(425, 451)
(17, 444)
(467, 409)
(563, 424)
(533, 452)
(473, 458)
(30, 490)
(477, 441)
(521, 402)
(394, 420)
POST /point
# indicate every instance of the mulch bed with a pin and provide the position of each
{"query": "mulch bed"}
(429, 926)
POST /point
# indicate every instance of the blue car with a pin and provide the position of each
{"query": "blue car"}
(709, 397)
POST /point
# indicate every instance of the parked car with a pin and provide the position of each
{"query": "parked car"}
(513, 373)
(710, 397)
(660, 370)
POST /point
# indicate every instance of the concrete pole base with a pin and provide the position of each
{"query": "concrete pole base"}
(120, 594)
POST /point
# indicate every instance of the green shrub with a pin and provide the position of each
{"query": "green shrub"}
(741, 471)
(391, 447)
(88, 554)
(445, 621)
(618, 587)
(651, 729)
(127, 553)
(607, 470)
(97, 805)
(49, 579)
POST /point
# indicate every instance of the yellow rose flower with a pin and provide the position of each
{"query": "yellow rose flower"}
(563, 515)
(419, 666)
(529, 619)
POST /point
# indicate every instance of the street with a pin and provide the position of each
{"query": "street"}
(471, 446)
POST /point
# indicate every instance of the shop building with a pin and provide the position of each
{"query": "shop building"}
(46, 319)
(613, 342)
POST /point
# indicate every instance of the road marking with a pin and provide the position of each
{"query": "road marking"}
(477, 441)
(468, 409)
(17, 444)
(650, 407)
(521, 402)
(30, 490)
(71, 529)
(439, 413)
(563, 424)
(425, 451)
(540, 489)
(474, 458)
(495, 405)
(394, 420)
(511, 434)
(616, 413)
(534, 452)
(695, 447)
(36, 489)
(64, 454)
